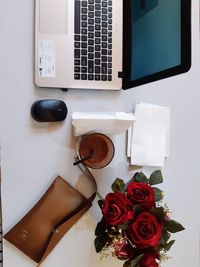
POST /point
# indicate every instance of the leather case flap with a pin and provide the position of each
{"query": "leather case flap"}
(38, 232)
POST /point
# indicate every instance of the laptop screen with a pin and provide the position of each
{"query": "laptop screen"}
(159, 39)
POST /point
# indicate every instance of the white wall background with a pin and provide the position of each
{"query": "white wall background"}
(33, 154)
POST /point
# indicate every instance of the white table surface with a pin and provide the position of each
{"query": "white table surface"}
(33, 153)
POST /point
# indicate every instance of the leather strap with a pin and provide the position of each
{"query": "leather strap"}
(90, 177)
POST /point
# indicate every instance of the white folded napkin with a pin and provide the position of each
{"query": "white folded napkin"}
(150, 135)
(103, 122)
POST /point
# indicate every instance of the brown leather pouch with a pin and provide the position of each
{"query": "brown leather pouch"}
(38, 232)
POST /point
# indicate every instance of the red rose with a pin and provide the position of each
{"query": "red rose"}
(149, 259)
(145, 231)
(141, 194)
(117, 209)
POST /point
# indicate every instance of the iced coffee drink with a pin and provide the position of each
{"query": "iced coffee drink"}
(97, 149)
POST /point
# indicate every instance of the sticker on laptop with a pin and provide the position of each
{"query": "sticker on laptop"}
(47, 58)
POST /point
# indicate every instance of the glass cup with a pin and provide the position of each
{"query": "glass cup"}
(97, 149)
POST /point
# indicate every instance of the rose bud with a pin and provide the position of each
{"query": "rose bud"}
(167, 216)
(149, 259)
(124, 251)
(145, 231)
(141, 194)
(117, 209)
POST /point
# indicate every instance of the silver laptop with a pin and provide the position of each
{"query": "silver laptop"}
(78, 44)
(110, 44)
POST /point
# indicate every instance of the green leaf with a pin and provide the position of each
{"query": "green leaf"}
(138, 209)
(101, 203)
(134, 262)
(165, 237)
(173, 226)
(123, 226)
(127, 263)
(140, 178)
(158, 212)
(158, 194)
(156, 178)
(100, 228)
(118, 185)
(168, 245)
(100, 242)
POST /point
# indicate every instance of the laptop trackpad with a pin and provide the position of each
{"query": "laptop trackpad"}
(53, 16)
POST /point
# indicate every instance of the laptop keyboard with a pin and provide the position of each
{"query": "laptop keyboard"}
(93, 40)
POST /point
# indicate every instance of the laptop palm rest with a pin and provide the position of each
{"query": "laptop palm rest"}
(53, 17)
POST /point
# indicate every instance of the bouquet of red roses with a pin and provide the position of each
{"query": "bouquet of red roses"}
(136, 225)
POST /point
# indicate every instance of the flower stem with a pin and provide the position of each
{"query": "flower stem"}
(99, 195)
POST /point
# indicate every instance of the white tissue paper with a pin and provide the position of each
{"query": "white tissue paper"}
(150, 135)
(103, 122)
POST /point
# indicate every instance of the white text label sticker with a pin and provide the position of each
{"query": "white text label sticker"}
(47, 58)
